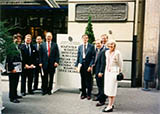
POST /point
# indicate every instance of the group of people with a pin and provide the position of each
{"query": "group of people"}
(105, 61)
(31, 60)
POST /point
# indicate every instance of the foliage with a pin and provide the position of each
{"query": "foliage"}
(89, 31)
(7, 46)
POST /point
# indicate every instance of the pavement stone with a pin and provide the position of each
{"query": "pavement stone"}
(128, 101)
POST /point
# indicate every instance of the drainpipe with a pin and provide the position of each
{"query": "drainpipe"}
(134, 51)
(158, 87)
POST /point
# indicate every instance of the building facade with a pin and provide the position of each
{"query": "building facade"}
(134, 24)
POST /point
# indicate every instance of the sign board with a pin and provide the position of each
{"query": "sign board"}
(102, 12)
(67, 77)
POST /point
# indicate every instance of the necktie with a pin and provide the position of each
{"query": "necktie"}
(29, 49)
(49, 49)
(85, 49)
(97, 52)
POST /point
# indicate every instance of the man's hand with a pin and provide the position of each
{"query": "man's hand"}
(55, 64)
(76, 68)
(89, 69)
(13, 71)
(100, 75)
(40, 65)
(27, 66)
(32, 66)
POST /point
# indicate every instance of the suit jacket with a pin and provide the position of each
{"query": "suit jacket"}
(26, 59)
(37, 54)
(54, 55)
(98, 62)
(90, 55)
(103, 60)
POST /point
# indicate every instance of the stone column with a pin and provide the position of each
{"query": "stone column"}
(151, 32)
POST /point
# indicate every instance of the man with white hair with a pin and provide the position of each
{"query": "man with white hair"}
(49, 61)
(104, 40)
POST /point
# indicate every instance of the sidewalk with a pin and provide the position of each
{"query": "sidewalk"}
(128, 101)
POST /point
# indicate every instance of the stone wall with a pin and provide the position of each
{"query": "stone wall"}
(151, 31)
(123, 31)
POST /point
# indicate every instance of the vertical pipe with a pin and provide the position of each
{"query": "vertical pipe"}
(134, 50)
(159, 58)
(134, 55)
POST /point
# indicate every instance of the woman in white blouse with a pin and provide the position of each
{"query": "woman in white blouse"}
(113, 66)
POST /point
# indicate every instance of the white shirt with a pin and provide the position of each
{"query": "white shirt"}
(38, 45)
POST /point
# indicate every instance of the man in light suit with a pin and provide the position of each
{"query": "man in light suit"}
(85, 60)
(49, 59)
(37, 69)
(100, 50)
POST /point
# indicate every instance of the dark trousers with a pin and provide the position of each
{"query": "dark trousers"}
(13, 84)
(27, 73)
(36, 77)
(47, 80)
(100, 83)
(86, 81)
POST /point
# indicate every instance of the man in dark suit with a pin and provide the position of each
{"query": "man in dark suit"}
(49, 59)
(11, 61)
(101, 97)
(85, 60)
(28, 60)
(37, 69)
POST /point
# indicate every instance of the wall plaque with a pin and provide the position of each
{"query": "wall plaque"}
(102, 12)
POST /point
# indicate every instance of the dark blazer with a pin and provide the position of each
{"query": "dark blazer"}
(54, 55)
(103, 61)
(98, 62)
(13, 58)
(26, 59)
(90, 55)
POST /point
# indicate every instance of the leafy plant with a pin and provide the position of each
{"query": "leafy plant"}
(89, 30)
(7, 46)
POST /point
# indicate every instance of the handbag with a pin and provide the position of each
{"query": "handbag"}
(120, 77)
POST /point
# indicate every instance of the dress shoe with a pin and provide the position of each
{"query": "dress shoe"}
(107, 110)
(49, 93)
(88, 97)
(83, 97)
(43, 93)
(31, 92)
(14, 100)
(23, 94)
(95, 99)
(19, 97)
(100, 104)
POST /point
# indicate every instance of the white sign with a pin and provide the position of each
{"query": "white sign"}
(67, 76)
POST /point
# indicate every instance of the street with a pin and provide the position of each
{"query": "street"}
(128, 101)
